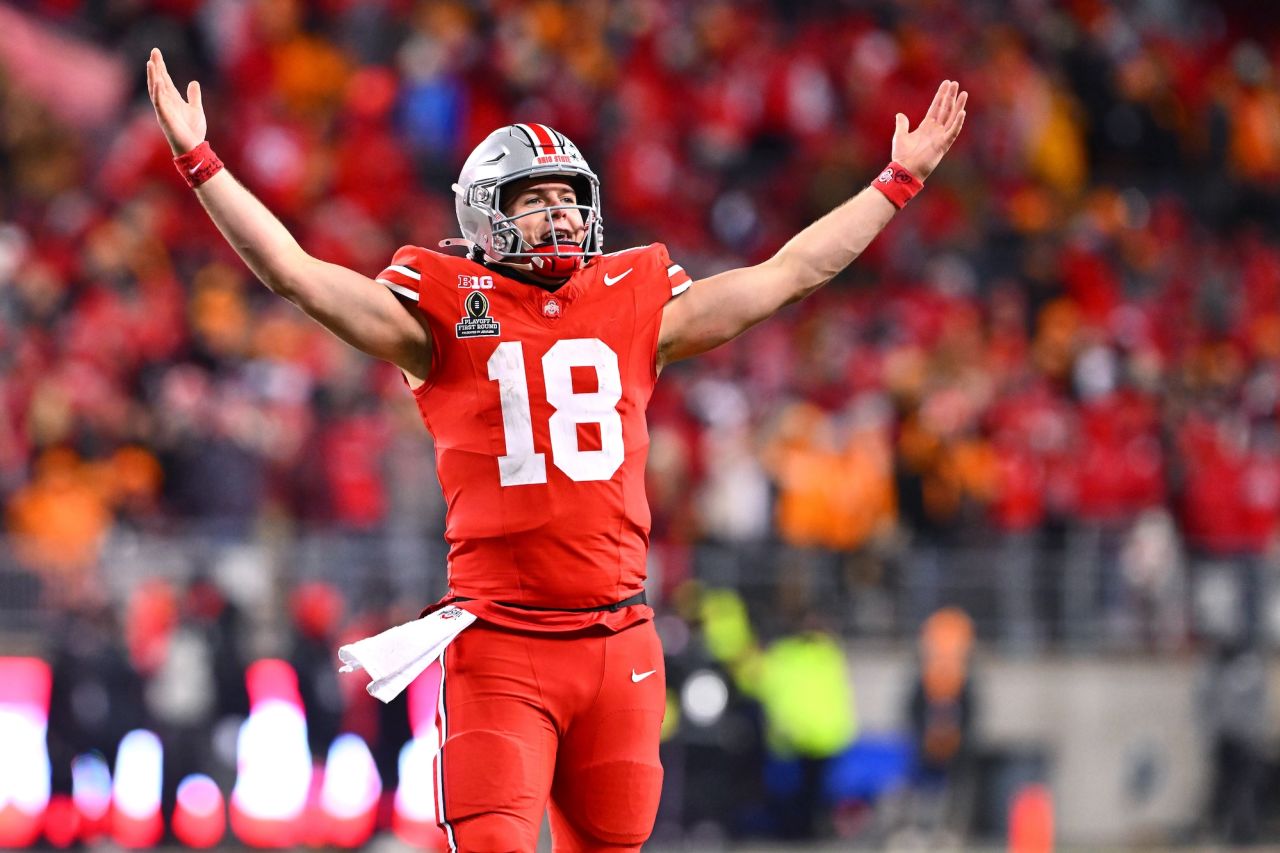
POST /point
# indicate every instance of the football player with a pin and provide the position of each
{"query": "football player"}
(532, 357)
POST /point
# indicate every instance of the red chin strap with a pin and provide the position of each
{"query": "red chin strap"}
(547, 263)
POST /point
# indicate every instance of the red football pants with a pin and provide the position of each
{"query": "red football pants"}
(571, 718)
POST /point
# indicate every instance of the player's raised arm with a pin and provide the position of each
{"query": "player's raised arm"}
(362, 313)
(725, 305)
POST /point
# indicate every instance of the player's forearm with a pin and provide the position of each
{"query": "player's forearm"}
(367, 317)
(724, 306)
(260, 239)
(820, 252)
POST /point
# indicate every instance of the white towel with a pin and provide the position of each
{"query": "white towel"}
(398, 655)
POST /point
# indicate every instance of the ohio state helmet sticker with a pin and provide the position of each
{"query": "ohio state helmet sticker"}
(544, 139)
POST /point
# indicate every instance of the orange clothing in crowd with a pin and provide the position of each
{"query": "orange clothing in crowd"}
(836, 497)
(59, 519)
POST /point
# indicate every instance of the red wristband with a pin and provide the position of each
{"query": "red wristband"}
(897, 184)
(198, 165)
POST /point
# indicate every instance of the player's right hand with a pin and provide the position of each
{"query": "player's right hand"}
(181, 120)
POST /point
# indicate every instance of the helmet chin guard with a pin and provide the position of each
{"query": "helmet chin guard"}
(554, 261)
(514, 153)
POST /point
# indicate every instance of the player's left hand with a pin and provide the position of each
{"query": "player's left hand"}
(181, 120)
(921, 150)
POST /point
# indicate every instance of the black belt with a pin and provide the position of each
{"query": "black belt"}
(638, 598)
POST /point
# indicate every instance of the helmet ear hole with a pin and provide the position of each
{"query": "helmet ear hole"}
(582, 189)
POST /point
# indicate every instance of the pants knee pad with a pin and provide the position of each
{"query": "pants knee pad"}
(615, 802)
(494, 833)
(485, 772)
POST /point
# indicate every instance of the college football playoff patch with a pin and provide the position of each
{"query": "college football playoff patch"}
(477, 323)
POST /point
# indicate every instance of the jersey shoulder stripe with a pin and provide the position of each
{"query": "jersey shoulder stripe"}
(406, 270)
(414, 272)
(398, 289)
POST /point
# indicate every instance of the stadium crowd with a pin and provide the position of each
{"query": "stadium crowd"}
(1068, 346)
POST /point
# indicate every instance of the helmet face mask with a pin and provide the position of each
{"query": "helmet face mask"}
(509, 238)
(516, 153)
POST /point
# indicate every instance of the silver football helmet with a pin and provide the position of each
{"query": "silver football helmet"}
(510, 154)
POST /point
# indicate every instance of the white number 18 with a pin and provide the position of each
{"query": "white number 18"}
(521, 466)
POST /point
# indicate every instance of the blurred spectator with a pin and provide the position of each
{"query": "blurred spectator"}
(196, 693)
(59, 519)
(317, 611)
(1234, 708)
(835, 500)
(97, 694)
(1153, 566)
(1230, 505)
(805, 691)
(713, 739)
(733, 503)
(384, 726)
(150, 616)
(1119, 474)
(942, 719)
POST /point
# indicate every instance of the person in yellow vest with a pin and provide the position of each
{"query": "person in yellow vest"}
(807, 697)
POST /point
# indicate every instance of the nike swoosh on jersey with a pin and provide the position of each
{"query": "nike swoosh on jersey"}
(610, 281)
(637, 677)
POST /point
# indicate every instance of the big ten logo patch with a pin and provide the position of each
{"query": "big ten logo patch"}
(475, 282)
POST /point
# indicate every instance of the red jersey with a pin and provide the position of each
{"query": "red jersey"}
(537, 404)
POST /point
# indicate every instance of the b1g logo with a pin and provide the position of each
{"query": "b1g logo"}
(477, 323)
(475, 282)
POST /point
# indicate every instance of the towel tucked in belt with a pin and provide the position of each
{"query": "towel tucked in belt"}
(398, 655)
